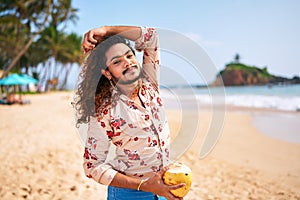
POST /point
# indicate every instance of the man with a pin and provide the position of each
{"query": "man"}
(123, 108)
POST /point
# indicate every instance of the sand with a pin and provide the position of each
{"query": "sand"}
(41, 156)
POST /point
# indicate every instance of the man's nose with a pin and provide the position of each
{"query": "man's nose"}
(127, 62)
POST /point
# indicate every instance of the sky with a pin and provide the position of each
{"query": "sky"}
(265, 33)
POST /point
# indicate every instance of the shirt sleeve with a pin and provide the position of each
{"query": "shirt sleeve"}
(149, 44)
(96, 150)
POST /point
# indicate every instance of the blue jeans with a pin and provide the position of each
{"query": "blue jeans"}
(115, 193)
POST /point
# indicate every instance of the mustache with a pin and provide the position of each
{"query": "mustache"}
(126, 70)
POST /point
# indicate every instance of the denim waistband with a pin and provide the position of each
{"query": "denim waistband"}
(115, 193)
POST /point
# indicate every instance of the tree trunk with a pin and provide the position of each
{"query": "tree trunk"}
(21, 53)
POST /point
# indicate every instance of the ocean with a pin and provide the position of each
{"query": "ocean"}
(275, 97)
(259, 101)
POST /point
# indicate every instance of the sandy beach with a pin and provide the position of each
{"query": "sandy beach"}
(41, 156)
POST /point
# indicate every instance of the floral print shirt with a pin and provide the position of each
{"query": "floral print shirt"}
(139, 134)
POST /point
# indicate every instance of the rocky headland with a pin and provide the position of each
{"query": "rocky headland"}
(238, 74)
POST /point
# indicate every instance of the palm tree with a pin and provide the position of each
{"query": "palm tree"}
(24, 14)
(71, 55)
(21, 21)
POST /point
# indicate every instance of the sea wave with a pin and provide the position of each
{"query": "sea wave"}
(257, 101)
(275, 102)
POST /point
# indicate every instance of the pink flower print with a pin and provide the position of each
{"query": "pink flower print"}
(147, 117)
(144, 87)
(105, 111)
(128, 164)
(89, 165)
(132, 155)
(163, 143)
(126, 151)
(86, 154)
(118, 122)
(94, 157)
(89, 176)
(146, 53)
(110, 134)
(167, 152)
(148, 35)
(159, 101)
(118, 143)
(136, 139)
(153, 129)
(132, 126)
(103, 124)
(160, 128)
(154, 168)
(147, 129)
(91, 141)
(134, 107)
(159, 156)
(143, 163)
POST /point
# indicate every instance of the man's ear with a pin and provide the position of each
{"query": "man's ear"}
(106, 73)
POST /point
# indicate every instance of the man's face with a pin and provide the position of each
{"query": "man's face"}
(122, 64)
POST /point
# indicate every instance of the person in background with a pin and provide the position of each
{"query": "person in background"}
(119, 100)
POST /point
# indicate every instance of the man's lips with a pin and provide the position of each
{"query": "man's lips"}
(129, 69)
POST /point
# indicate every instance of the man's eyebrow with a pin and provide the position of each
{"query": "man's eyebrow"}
(120, 55)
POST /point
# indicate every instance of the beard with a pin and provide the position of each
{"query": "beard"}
(125, 73)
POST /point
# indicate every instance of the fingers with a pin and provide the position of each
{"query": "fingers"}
(170, 196)
(174, 187)
(163, 170)
(89, 42)
(86, 47)
(90, 37)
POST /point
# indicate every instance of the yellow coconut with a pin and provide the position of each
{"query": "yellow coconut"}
(178, 173)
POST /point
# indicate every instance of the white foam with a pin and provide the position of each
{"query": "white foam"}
(276, 102)
(258, 101)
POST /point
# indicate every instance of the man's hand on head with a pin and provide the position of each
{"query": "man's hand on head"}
(93, 37)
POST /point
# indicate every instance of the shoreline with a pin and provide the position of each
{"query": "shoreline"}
(273, 123)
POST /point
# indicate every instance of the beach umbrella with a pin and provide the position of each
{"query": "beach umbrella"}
(13, 79)
(16, 79)
(29, 79)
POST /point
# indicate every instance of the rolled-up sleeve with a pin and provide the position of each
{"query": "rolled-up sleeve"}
(149, 44)
(96, 150)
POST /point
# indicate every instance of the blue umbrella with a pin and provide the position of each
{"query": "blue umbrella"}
(29, 79)
(16, 79)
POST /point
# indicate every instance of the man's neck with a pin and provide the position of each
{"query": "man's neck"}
(130, 90)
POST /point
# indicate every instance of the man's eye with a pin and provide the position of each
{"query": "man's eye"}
(129, 56)
(116, 62)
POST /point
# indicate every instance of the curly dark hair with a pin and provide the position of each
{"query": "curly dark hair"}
(94, 90)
